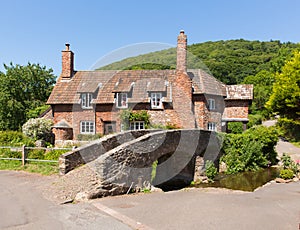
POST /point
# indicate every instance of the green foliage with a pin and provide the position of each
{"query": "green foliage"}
(250, 150)
(7, 153)
(235, 127)
(36, 154)
(38, 129)
(22, 88)
(153, 172)
(288, 163)
(33, 167)
(128, 116)
(210, 170)
(254, 119)
(263, 83)
(88, 137)
(36, 112)
(289, 128)
(14, 138)
(286, 174)
(149, 66)
(285, 97)
(229, 61)
(54, 154)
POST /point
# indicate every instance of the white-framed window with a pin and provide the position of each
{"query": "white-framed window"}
(156, 102)
(87, 127)
(211, 126)
(137, 125)
(211, 104)
(86, 99)
(122, 100)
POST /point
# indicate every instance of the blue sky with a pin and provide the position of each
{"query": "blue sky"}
(35, 30)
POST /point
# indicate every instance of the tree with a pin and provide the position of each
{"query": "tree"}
(263, 83)
(285, 97)
(22, 88)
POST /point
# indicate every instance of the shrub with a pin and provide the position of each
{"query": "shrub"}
(54, 154)
(7, 153)
(38, 129)
(289, 128)
(36, 154)
(250, 150)
(254, 119)
(14, 138)
(288, 163)
(235, 127)
(286, 174)
(210, 170)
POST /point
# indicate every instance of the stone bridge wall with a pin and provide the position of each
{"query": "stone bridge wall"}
(93, 150)
(130, 164)
(126, 160)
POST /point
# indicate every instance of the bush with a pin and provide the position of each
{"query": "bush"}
(288, 163)
(235, 127)
(210, 170)
(54, 154)
(254, 119)
(36, 154)
(289, 128)
(7, 153)
(14, 138)
(38, 129)
(249, 151)
(286, 174)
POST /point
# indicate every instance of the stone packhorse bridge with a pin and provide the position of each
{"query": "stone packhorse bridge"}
(126, 159)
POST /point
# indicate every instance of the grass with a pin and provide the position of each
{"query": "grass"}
(43, 168)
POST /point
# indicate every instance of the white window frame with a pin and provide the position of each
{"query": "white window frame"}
(137, 125)
(87, 127)
(156, 100)
(212, 126)
(211, 104)
(86, 100)
(122, 103)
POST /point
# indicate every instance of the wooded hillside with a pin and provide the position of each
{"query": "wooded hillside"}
(229, 61)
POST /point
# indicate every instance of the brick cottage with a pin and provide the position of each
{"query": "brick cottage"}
(90, 102)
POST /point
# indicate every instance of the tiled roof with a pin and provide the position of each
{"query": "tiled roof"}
(139, 83)
(239, 92)
(205, 83)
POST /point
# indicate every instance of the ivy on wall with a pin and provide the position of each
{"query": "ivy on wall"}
(128, 116)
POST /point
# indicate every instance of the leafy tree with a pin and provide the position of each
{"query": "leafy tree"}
(22, 88)
(285, 97)
(229, 61)
(263, 83)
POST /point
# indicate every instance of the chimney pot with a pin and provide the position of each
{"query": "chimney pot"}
(182, 31)
(67, 47)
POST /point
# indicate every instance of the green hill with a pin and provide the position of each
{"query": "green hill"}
(229, 61)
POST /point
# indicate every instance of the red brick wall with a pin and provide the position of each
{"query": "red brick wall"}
(236, 109)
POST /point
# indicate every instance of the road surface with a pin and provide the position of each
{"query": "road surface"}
(23, 206)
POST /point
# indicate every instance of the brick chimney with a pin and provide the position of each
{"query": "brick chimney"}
(67, 63)
(182, 87)
(181, 52)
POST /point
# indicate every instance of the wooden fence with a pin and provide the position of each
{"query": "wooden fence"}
(24, 151)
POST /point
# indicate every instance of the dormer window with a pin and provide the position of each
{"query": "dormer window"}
(156, 102)
(86, 100)
(211, 104)
(122, 100)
